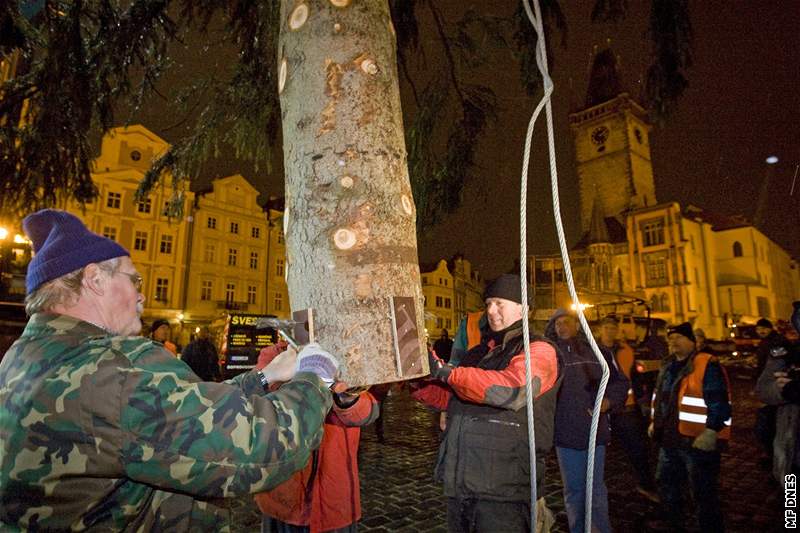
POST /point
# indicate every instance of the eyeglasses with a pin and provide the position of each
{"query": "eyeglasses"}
(136, 279)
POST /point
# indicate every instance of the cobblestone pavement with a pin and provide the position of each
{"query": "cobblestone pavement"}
(399, 494)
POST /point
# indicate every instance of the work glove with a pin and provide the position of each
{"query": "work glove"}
(312, 358)
(706, 441)
(345, 397)
(439, 370)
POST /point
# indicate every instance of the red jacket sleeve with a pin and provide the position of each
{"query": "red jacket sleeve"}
(433, 394)
(364, 411)
(506, 388)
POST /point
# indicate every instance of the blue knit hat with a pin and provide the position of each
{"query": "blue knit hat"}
(63, 244)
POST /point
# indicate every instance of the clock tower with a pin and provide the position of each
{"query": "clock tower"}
(612, 147)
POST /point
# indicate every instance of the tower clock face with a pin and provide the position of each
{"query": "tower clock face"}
(600, 135)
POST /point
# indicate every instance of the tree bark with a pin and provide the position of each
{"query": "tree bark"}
(350, 217)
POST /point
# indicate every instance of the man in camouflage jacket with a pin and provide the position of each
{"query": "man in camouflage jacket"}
(100, 429)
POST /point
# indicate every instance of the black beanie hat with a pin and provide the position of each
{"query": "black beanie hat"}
(684, 329)
(764, 323)
(507, 287)
(158, 323)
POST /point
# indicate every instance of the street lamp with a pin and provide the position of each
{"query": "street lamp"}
(771, 160)
(3, 234)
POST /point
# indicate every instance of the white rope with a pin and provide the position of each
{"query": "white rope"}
(541, 61)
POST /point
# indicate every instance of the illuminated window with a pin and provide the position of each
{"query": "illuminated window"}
(206, 290)
(113, 200)
(162, 289)
(656, 272)
(140, 241)
(144, 206)
(166, 244)
(653, 232)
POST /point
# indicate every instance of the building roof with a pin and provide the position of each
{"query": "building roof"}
(605, 82)
(610, 227)
(718, 221)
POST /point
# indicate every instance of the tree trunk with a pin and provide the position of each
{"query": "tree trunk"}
(350, 217)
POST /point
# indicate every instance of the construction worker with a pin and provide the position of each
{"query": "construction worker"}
(627, 423)
(691, 422)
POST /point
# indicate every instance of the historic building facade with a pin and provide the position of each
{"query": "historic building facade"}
(451, 289)
(157, 243)
(224, 254)
(638, 255)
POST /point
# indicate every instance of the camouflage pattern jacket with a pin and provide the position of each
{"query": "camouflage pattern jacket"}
(115, 433)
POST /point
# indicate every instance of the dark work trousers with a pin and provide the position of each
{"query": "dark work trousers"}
(701, 469)
(482, 516)
(765, 427)
(628, 427)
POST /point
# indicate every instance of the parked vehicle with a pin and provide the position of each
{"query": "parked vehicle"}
(745, 339)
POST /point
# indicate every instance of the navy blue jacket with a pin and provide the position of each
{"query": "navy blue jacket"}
(582, 373)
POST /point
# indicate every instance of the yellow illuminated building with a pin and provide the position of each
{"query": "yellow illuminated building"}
(451, 291)
(637, 255)
(157, 244)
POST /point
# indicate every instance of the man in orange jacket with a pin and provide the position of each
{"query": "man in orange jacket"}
(627, 423)
(325, 496)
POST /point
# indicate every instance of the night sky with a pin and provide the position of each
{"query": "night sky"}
(742, 104)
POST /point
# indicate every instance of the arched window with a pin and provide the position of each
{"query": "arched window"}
(664, 302)
(737, 249)
(655, 304)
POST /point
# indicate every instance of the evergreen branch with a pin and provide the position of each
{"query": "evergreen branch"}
(609, 10)
(671, 32)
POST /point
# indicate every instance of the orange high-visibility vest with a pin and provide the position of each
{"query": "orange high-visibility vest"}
(473, 329)
(624, 358)
(692, 409)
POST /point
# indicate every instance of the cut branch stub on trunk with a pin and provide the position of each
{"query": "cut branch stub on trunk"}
(351, 239)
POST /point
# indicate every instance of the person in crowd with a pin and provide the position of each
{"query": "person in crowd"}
(779, 386)
(770, 338)
(701, 342)
(766, 416)
(159, 332)
(576, 400)
(443, 346)
(691, 421)
(325, 495)
(627, 424)
(201, 356)
(484, 454)
(104, 430)
(468, 335)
